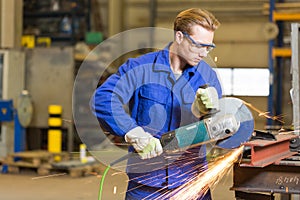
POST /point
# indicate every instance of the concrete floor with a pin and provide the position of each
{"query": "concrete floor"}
(24, 186)
(27, 185)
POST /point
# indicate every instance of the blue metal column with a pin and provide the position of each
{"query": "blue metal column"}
(279, 67)
(20, 136)
(9, 114)
(279, 72)
(271, 67)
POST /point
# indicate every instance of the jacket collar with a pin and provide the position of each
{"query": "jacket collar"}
(162, 62)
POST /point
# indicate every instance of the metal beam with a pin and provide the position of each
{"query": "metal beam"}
(271, 179)
(286, 16)
(264, 152)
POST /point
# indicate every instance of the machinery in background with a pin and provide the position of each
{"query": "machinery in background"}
(273, 163)
(49, 77)
(12, 82)
(9, 114)
(20, 117)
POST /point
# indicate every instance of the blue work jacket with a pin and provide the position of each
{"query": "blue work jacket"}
(159, 103)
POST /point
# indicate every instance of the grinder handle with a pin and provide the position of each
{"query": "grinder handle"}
(211, 111)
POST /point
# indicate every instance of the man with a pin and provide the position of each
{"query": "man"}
(162, 91)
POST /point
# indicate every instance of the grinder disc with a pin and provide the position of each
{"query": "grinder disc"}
(236, 107)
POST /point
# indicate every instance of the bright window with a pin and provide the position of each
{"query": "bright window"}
(244, 81)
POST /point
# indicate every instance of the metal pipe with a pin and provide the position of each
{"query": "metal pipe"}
(295, 75)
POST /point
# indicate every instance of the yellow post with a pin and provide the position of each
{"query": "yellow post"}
(54, 131)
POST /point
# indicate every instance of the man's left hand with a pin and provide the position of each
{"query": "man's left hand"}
(205, 99)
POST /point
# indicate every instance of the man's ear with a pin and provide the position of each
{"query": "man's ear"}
(179, 37)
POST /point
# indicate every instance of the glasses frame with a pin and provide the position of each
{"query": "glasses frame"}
(209, 47)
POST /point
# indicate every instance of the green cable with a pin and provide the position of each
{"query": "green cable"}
(102, 182)
(106, 170)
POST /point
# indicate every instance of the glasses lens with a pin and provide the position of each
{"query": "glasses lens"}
(200, 49)
(197, 47)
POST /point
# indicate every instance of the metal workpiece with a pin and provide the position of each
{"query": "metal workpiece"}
(266, 152)
(271, 168)
(271, 179)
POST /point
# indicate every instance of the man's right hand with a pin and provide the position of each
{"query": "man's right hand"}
(144, 143)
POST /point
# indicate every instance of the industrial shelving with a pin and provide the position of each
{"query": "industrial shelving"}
(43, 20)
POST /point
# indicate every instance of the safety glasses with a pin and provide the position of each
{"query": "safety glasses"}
(199, 47)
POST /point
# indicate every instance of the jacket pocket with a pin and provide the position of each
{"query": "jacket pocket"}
(155, 93)
(153, 107)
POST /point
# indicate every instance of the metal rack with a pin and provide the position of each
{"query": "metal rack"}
(45, 21)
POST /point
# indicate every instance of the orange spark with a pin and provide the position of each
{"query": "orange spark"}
(262, 113)
(203, 181)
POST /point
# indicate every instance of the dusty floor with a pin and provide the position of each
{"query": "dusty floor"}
(27, 185)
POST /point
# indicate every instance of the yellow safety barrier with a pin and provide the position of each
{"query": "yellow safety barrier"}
(54, 131)
(54, 143)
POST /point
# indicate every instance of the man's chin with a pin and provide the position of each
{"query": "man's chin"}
(194, 62)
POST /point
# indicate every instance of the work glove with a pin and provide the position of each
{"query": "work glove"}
(220, 126)
(205, 100)
(144, 143)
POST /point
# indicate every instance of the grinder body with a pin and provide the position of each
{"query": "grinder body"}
(185, 136)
